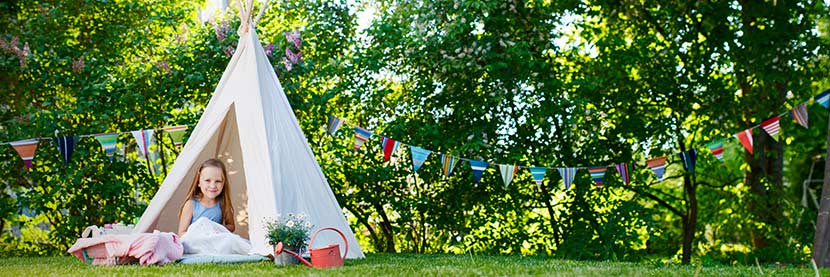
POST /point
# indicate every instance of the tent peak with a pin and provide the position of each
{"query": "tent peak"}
(246, 12)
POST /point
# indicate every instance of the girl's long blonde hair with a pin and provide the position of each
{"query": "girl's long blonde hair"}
(227, 206)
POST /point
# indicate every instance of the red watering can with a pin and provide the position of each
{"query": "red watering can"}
(328, 256)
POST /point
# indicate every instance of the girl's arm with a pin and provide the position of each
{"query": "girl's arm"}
(187, 214)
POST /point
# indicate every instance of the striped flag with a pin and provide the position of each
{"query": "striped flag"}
(478, 168)
(658, 165)
(597, 173)
(507, 173)
(390, 147)
(108, 142)
(66, 144)
(177, 134)
(800, 115)
(447, 164)
(567, 174)
(334, 124)
(419, 156)
(717, 148)
(360, 137)
(538, 173)
(144, 139)
(689, 159)
(824, 98)
(625, 174)
(26, 149)
(745, 137)
(772, 127)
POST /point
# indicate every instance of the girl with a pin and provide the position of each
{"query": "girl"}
(212, 199)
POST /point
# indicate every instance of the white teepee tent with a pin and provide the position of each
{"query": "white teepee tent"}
(249, 125)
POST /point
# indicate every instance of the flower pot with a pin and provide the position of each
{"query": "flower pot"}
(285, 258)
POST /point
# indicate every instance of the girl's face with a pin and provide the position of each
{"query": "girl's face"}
(211, 182)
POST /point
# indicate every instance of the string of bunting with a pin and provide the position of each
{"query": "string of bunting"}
(657, 164)
(66, 144)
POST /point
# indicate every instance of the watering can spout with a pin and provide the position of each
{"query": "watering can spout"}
(279, 249)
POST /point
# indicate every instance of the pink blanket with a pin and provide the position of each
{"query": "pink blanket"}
(156, 248)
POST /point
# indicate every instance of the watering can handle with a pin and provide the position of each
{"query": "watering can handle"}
(310, 243)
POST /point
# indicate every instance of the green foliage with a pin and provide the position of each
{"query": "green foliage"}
(543, 83)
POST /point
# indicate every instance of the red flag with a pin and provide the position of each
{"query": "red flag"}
(745, 137)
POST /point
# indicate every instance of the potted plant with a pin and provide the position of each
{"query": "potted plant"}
(292, 230)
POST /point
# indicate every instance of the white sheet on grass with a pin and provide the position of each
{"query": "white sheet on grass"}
(210, 238)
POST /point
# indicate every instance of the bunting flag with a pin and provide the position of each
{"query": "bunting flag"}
(717, 148)
(772, 126)
(658, 165)
(824, 98)
(26, 149)
(597, 173)
(567, 174)
(745, 137)
(66, 145)
(538, 174)
(108, 142)
(390, 146)
(361, 136)
(334, 124)
(478, 168)
(800, 115)
(689, 159)
(419, 156)
(507, 173)
(625, 174)
(447, 164)
(144, 139)
(177, 134)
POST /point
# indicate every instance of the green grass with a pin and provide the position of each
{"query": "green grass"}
(397, 265)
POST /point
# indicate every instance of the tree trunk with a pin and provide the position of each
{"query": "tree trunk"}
(763, 201)
(554, 226)
(821, 243)
(689, 218)
(386, 228)
(365, 222)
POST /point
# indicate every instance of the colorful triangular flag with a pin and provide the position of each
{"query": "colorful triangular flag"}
(26, 149)
(689, 159)
(567, 174)
(361, 136)
(419, 156)
(447, 164)
(108, 142)
(625, 174)
(824, 98)
(538, 173)
(597, 173)
(799, 113)
(334, 124)
(716, 147)
(772, 127)
(478, 168)
(390, 146)
(745, 137)
(66, 144)
(177, 134)
(658, 165)
(507, 173)
(144, 139)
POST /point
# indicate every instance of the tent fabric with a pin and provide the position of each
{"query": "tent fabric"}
(250, 126)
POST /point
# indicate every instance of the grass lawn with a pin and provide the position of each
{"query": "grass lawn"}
(397, 264)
